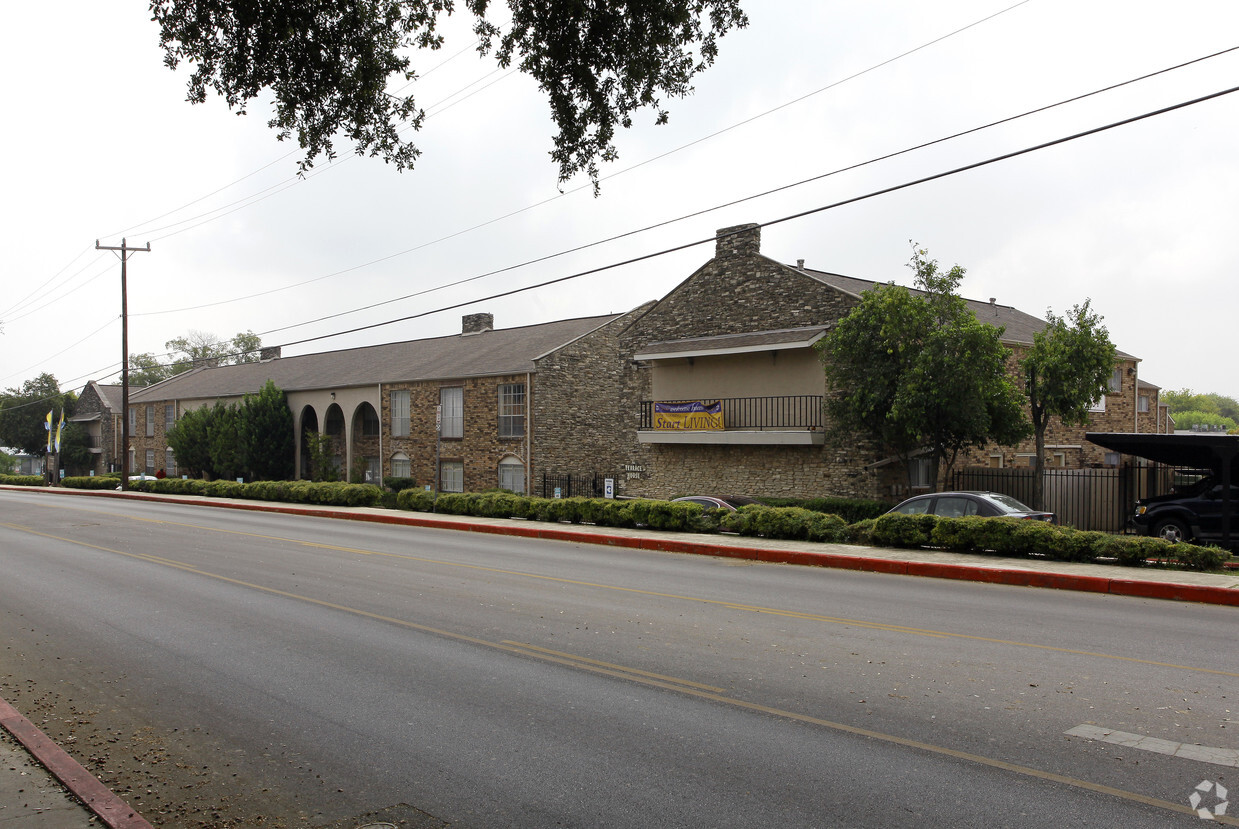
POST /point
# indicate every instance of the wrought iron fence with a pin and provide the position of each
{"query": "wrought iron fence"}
(1087, 499)
(789, 412)
(589, 485)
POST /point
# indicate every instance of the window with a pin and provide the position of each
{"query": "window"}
(1142, 403)
(920, 471)
(169, 463)
(1116, 380)
(400, 466)
(169, 417)
(133, 419)
(400, 413)
(950, 507)
(1099, 405)
(452, 476)
(1112, 459)
(370, 475)
(452, 399)
(511, 410)
(150, 421)
(150, 461)
(995, 461)
(512, 475)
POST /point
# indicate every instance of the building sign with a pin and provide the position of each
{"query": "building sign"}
(695, 416)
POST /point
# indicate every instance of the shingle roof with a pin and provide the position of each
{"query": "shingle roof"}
(723, 343)
(111, 396)
(1018, 326)
(501, 351)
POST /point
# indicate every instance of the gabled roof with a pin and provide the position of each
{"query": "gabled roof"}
(488, 353)
(110, 395)
(1018, 327)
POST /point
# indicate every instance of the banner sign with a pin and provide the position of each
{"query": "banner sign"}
(695, 416)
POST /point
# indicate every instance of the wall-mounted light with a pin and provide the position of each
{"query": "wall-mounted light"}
(333, 395)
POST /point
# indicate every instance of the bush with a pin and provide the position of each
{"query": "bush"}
(87, 482)
(851, 510)
(897, 530)
(399, 484)
(22, 480)
(862, 531)
(417, 500)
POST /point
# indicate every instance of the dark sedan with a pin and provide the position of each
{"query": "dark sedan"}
(959, 504)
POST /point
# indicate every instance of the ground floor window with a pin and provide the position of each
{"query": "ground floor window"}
(370, 473)
(400, 466)
(169, 463)
(512, 475)
(452, 476)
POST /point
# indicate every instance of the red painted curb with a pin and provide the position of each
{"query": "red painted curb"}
(113, 811)
(1175, 592)
(960, 572)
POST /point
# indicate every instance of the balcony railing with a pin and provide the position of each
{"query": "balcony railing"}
(791, 413)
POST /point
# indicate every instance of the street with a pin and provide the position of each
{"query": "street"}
(229, 668)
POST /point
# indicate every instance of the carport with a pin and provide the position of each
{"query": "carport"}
(1204, 450)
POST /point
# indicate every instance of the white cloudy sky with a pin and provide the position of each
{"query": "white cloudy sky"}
(99, 144)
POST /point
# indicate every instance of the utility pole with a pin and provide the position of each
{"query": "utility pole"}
(124, 251)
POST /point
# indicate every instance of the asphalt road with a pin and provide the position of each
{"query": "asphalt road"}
(335, 669)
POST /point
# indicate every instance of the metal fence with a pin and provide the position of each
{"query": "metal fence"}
(790, 412)
(589, 485)
(1088, 499)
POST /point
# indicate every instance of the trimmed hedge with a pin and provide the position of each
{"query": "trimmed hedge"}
(90, 482)
(332, 493)
(851, 510)
(973, 534)
(22, 480)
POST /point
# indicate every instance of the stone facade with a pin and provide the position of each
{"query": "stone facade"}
(101, 422)
(480, 447)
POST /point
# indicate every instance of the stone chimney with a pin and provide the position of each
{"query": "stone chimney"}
(271, 352)
(476, 324)
(737, 241)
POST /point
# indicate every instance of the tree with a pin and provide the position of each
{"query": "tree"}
(224, 441)
(1207, 420)
(23, 413)
(202, 348)
(328, 64)
(267, 434)
(146, 370)
(1186, 400)
(920, 373)
(190, 442)
(1066, 370)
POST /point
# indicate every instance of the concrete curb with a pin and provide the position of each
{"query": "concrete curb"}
(1013, 577)
(81, 783)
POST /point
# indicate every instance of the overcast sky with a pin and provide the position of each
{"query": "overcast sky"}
(100, 144)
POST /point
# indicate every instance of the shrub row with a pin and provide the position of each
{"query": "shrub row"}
(91, 482)
(1019, 537)
(22, 480)
(850, 510)
(1004, 536)
(297, 492)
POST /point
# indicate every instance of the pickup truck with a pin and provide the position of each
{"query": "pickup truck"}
(1191, 513)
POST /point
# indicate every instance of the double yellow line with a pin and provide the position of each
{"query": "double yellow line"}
(650, 679)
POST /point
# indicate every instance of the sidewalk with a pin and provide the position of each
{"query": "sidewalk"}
(31, 798)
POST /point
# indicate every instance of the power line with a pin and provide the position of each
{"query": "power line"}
(802, 214)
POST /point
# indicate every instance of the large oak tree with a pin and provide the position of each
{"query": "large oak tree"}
(329, 64)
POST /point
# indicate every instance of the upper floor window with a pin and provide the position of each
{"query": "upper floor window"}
(133, 419)
(150, 421)
(169, 417)
(400, 413)
(1099, 405)
(1116, 380)
(452, 424)
(1142, 403)
(369, 421)
(511, 410)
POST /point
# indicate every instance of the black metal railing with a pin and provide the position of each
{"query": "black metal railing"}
(1087, 499)
(760, 413)
(589, 485)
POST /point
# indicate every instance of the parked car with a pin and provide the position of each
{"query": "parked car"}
(959, 504)
(133, 478)
(727, 502)
(1191, 513)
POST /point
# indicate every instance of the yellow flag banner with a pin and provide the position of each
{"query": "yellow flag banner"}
(691, 416)
(47, 424)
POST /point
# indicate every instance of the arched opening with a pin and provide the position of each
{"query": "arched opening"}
(333, 427)
(366, 468)
(308, 436)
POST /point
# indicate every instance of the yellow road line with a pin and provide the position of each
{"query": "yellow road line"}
(659, 681)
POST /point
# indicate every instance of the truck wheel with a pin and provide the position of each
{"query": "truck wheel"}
(1172, 530)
